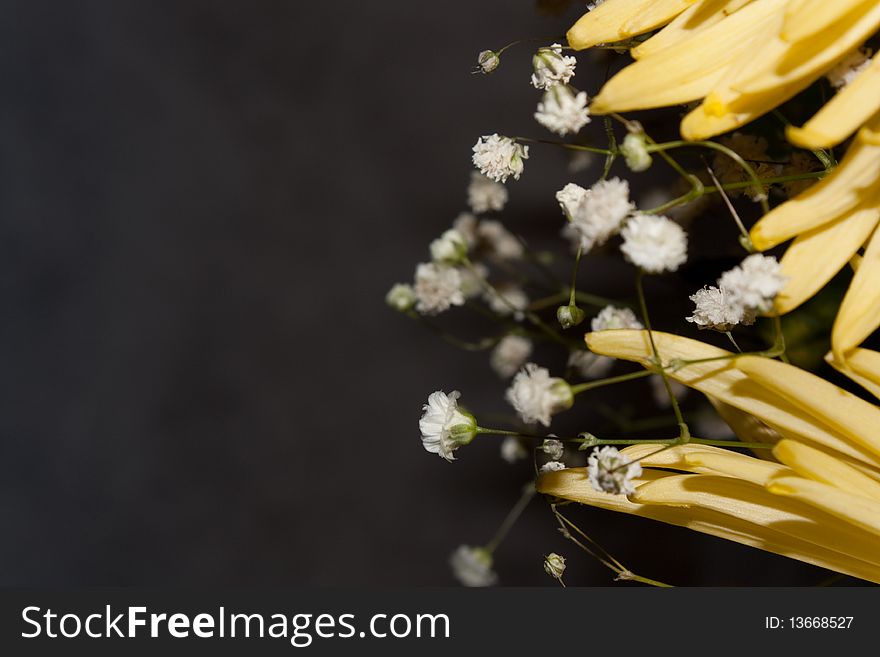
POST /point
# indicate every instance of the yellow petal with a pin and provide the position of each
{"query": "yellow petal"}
(721, 379)
(806, 18)
(675, 75)
(614, 20)
(776, 72)
(818, 254)
(857, 510)
(841, 116)
(572, 485)
(862, 366)
(705, 459)
(852, 185)
(859, 313)
(694, 19)
(819, 466)
(745, 500)
(834, 406)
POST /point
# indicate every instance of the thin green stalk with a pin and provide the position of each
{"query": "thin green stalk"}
(683, 427)
(511, 518)
(591, 385)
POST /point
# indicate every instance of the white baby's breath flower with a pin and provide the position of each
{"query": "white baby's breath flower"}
(466, 224)
(634, 151)
(596, 213)
(499, 157)
(507, 299)
(512, 450)
(612, 317)
(487, 61)
(450, 248)
(536, 395)
(401, 297)
(444, 426)
(661, 396)
(590, 365)
(472, 566)
(580, 161)
(484, 194)
(562, 111)
(551, 466)
(502, 244)
(554, 565)
(849, 68)
(610, 472)
(437, 288)
(571, 199)
(553, 448)
(473, 280)
(552, 67)
(509, 355)
(654, 243)
(715, 309)
(755, 282)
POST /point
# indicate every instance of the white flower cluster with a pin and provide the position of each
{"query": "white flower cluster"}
(654, 243)
(552, 67)
(450, 248)
(512, 450)
(510, 354)
(437, 288)
(716, 309)
(507, 299)
(444, 426)
(612, 317)
(472, 566)
(563, 111)
(610, 472)
(536, 395)
(743, 291)
(485, 195)
(596, 213)
(499, 157)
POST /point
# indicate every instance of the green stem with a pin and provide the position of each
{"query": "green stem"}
(672, 442)
(590, 385)
(683, 427)
(562, 144)
(511, 518)
(721, 148)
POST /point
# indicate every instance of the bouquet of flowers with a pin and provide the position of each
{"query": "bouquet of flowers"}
(780, 135)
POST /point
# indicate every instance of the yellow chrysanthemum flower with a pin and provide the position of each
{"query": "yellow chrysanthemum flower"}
(741, 59)
(820, 503)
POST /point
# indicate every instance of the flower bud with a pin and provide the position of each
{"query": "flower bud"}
(450, 248)
(569, 316)
(554, 565)
(487, 61)
(401, 297)
(634, 150)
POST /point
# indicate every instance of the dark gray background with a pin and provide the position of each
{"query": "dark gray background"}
(203, 204)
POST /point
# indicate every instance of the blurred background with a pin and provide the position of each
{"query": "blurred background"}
(203, 204)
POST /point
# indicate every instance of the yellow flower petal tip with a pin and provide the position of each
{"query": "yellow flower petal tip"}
(759, 240)
(809, 139)
(714, 106)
